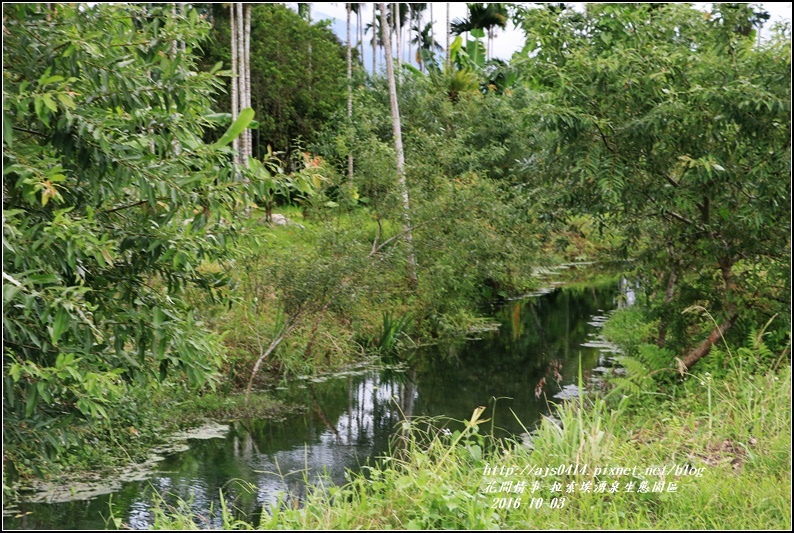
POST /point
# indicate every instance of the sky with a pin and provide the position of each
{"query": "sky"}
(506, 42)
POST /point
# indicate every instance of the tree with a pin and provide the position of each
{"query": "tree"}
(243, 78)
(482, 17)
(375, 34)
(686, 143)
(357, 9)
(448, 34)
(293, 98)
(414, 21)
(247, 65)
(235, 72)
(397, 18)
(240, 18)
(101, 235)
(349, 89)
(398, 148)
(426, 46)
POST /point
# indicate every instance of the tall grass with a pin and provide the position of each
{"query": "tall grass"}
(738, 469)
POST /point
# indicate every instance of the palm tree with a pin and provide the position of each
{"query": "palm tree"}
(235, 84)
(448, 35)
(247, 63)
(349, 88)
(432, 21)
(357, 9)
(375, 41)
(414, 21)
(241, 75)
(398, 148)
(498, 19)
(424, 41)
(377, 36)
(410, 20)
(482, 16)
(397, 17)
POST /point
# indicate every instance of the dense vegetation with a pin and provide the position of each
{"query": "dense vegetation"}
(141, 264)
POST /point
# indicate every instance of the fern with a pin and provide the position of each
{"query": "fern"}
(644, 368)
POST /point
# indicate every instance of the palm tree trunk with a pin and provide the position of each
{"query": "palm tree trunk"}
(360, 33)
(248, 136)
(410, 20)
(398, 27)
(374, 41)
(447, 35)
(241, 78)
(398, 148)
(349, 92)
(235, 83)
(395, 37)
(182, 11)
(309, 20)
(174, 43)
(431, 23)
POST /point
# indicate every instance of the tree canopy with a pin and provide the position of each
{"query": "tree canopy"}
(298, 77)
(677, 127)
(111, 201)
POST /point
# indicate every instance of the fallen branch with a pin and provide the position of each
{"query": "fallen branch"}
(705, 347)
(285, 330)
(399, 235)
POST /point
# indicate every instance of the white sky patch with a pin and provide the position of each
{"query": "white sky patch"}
(506, 42)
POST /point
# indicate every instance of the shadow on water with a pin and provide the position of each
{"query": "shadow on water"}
(350, 418)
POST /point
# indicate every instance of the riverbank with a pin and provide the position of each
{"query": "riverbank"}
(534, 332)
(715, 454)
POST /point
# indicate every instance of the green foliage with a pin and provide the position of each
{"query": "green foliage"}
(683, 143)
(436, 476)
(111, 202)
(629, 328)
(298, 76)
(388, 341)
(753, 357)
(648, 365)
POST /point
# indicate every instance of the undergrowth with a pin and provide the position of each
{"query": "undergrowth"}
(711, 454)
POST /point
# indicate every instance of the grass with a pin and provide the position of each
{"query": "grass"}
(734, 472)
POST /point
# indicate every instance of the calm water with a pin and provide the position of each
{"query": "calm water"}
(349, 419)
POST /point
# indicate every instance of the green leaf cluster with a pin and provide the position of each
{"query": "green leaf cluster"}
(111, 202)
(674, 126)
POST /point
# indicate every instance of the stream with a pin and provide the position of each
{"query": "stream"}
(349, 417)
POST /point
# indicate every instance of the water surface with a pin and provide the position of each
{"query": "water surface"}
(349, 419)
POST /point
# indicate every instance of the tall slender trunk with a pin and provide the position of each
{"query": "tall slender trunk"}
(410, 26)
(176, 46)
(248, 135)
(349, 92)
(447, 35)
(360, 34)
(311, 67)
(398, 148)
(241, 78)
(399, 33)
(235, 83)
(182, 11)
(432, 32)
(418, 55)
(174, 43)
(374, 41)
